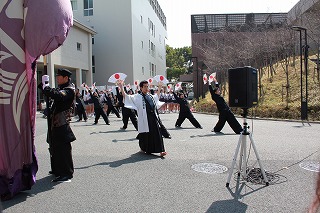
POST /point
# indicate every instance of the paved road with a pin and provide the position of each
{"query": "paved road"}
(112, 176)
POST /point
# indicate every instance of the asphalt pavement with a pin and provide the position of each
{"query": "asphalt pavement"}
(111, 175)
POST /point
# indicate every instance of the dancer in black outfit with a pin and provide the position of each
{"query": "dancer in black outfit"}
(98, 108)
(109, 100)
(126, 112)
(80, 107)
(225, 113)
(185, 111)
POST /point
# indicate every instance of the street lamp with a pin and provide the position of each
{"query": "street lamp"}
(197, 92)
(304, 50)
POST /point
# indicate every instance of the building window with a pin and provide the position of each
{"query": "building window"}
(142, 70)
(152, 28)
(92, 39)
(88, 7)
(93, 65)
(74, 4)
(142, 44)
(152, 73)
(152, 49)
(141, 20)
(150, 68)
(79, 46)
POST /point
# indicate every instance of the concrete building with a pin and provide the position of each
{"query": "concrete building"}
(295, 15)
(75, 54)
(131, 37)
(305, 14)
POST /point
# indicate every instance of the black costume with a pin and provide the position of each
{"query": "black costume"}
(225, 114)
(80, 107)
(152, 141)
(59, 132)
(98, 109)
(126, 112)
(110, 102)
(185, 112)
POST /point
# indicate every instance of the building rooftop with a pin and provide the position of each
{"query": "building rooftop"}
(244, 22)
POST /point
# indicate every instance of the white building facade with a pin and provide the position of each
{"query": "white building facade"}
(131, 37)
(74, 54)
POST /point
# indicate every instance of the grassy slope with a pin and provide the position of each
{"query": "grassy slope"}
(272, 101)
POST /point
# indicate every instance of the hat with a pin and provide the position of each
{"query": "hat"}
(63, 72)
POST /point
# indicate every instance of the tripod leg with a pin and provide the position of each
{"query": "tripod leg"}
(258, 159)
(243, 165)
(234, 161)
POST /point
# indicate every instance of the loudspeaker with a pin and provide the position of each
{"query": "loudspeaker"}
(243, 87)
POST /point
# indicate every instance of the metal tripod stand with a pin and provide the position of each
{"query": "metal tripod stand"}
(242, 144)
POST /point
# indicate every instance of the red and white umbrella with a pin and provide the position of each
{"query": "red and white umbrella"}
(117, 76)
(161, 78)
(211, 77)
(178, 86)
(205, 79)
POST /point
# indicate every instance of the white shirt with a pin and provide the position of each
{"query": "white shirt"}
(137, 102)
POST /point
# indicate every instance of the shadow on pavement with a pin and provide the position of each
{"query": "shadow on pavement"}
(211, 135)
(181, 128)
(227, 206)
(234, 205)
(41, 185)
(124, 140)
(137, 157)
(114, 131)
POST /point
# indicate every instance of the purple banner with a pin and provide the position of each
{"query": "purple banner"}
(28, 29)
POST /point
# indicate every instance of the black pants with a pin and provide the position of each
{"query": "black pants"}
(100, 112)
(126, 114)
(188, 115)
(227, 115)
(62, 162)
(114, 110)
(152, 141)
(81, 112)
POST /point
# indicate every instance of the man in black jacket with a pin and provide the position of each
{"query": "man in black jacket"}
(225, 113)
(60, 133)
(185, 111)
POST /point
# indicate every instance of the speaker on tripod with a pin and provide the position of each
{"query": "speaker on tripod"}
(243, 87)
(243, 93)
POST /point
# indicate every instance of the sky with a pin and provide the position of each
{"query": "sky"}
(178, 13)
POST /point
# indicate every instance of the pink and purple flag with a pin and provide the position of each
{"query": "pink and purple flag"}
(28, 29)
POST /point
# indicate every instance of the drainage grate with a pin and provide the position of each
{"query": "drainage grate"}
(209, 168)
(310, 166)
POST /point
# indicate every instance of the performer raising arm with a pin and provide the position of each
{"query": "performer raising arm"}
(150, 138)
(225, 113)
(60, 133)
(185, 111)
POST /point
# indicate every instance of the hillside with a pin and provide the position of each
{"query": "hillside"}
(273, 99)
